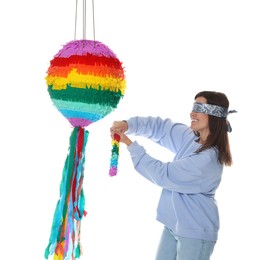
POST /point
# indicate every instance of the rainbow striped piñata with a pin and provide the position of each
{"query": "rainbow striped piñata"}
(85, 82)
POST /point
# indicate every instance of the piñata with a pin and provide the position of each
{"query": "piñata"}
(85, 82)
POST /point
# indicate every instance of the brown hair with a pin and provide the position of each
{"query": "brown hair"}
(218, 137)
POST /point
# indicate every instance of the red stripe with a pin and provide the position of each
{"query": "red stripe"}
(87, 59)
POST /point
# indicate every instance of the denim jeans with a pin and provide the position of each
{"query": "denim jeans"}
(173, 247)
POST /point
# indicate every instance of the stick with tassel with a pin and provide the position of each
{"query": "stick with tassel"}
(114, 155)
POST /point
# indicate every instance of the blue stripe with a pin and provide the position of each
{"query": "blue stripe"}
(83, 115)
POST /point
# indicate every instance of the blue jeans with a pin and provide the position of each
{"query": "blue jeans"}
(173, 247)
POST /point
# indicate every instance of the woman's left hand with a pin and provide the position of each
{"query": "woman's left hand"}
(120, 127)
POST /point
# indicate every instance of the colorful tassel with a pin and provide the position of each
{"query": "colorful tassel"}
(64, 242)
(114, 155)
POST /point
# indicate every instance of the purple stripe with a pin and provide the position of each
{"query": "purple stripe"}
(75, 122)
(82, 47)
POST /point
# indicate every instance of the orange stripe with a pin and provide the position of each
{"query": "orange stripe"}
(102, 71)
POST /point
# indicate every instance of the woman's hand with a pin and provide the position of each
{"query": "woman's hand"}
(120, 127)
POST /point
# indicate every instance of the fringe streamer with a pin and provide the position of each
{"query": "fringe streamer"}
(114, 155)
(64, 242)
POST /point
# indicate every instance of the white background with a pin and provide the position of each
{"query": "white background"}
(170, 50)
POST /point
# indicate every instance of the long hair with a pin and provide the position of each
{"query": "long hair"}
(218, 137)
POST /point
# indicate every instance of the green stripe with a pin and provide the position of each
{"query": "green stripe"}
(88, 95)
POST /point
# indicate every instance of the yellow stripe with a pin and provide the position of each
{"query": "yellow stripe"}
(81, 81)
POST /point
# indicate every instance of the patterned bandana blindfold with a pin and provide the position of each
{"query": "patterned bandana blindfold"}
(213, 110)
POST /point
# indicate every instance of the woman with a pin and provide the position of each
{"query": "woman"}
(187, 206)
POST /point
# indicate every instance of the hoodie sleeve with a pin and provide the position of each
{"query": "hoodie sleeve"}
(161, 131)
(197, 173)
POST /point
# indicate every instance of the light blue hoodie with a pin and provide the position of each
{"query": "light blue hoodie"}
(187, 204)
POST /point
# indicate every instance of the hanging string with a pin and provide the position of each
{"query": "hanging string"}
(84, 20)
(94, 27)
(76, 4)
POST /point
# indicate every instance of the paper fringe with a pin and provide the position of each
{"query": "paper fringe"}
(114, 155)
(64, 242)
(78, 80)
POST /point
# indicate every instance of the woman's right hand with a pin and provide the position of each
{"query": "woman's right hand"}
(120, 127)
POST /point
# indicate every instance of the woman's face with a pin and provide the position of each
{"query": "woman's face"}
(199, 121)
